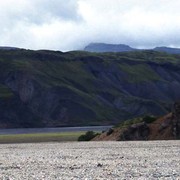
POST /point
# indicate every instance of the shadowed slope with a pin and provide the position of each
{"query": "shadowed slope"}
(51, 88)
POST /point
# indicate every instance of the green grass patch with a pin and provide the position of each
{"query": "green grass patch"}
(41, 137)
(5, 92)
(139, 73)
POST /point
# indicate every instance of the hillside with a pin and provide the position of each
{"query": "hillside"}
(148, 128)
(51, 88)
(139, 131)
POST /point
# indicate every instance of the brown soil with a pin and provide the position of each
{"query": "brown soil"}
(165, 133)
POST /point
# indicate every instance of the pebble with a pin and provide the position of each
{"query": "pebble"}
(91, 160)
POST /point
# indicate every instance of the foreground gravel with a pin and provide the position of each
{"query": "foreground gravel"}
(91, 160)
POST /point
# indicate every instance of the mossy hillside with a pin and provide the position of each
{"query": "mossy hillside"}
(94, 81)
(74, 77)
(57, 73)
(139, 73)
(54, 73)
(146, 119)
(5, 92)
(138, 56)
(50, 74)
(62, 72)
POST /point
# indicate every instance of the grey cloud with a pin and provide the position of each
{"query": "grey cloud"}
(39, 11)
(72, 24)
(45, 10)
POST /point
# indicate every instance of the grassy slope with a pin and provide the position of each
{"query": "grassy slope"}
(64, 72)
(139, 73)
(51, 69)
(5, 92)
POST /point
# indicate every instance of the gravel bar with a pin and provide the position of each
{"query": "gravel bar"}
(91, 160)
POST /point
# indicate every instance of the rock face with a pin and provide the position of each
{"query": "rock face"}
(136, 132)
(176, 120)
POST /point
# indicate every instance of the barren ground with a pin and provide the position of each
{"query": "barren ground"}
(91, 160)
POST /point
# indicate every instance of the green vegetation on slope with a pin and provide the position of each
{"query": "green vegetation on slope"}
(51, 88)
(146, 119)
(5, 92)
(139, 73)
(87, 136)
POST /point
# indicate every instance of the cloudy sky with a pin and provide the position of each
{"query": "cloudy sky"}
(72, 24)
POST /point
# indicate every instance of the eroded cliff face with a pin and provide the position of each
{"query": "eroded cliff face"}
(21, 83)
(47, 88)
(54, 106)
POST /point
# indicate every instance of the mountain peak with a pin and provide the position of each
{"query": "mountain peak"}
(103, 47)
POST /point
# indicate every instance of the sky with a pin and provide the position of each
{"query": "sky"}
(72, 24)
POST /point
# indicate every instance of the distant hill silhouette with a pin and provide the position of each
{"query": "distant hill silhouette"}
(103, 47)
(168, 50)
(8, 48)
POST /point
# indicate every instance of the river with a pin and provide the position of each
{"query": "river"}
(52, 130)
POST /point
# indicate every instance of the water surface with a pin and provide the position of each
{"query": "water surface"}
(53, 130)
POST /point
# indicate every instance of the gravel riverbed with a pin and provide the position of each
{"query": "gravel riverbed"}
(91, 160)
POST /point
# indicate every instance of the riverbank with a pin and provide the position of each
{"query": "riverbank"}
(40, 137)
(37, 135)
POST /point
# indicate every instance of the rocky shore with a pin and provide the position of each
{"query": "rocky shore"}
(91, 160)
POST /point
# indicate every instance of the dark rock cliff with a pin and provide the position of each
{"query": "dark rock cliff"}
(138, 131)
(176, 120)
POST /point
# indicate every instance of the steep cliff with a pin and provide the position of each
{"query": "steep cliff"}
(49, 88)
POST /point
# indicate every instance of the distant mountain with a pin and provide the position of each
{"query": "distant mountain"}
(168, 50)
(102, 47)
(8, 48)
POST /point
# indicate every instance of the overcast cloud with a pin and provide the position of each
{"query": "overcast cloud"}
(72, 24)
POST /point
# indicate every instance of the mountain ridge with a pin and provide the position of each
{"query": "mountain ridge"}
(8, 48)
(103, 47)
